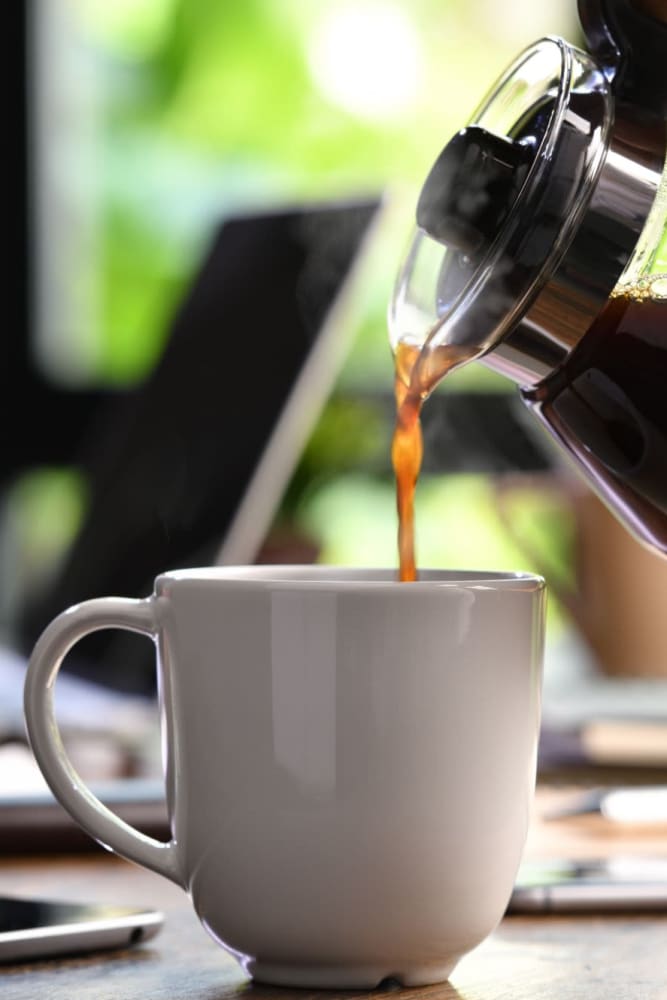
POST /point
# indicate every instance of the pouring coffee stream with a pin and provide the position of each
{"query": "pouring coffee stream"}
(541, 250)
(418, 371)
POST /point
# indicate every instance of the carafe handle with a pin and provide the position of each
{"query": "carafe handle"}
(629, 39)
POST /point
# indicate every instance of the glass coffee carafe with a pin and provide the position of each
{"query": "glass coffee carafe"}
(541, 250)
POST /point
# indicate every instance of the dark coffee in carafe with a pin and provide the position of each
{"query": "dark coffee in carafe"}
(607, 406)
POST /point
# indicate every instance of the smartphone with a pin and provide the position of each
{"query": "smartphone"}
(593, 886)
(36, 928)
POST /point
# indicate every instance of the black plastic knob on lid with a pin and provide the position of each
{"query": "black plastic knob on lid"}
(502, 201)
(472, 187)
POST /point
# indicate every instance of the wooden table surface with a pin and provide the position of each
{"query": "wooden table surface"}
(601, 957)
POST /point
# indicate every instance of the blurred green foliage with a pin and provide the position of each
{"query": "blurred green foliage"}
(205, 107)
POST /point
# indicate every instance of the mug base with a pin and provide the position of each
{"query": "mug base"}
(347, 977)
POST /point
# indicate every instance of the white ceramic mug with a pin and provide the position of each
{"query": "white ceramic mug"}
(350, 761)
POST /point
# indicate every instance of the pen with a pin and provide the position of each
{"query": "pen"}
(642, 805)
(635, 805)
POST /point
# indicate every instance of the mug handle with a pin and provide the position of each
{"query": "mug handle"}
(51, 647)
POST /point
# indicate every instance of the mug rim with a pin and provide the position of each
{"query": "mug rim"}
(320, 576)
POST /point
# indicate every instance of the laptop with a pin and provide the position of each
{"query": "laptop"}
(187, 468)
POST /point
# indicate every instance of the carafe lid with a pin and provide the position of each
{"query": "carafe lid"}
(502, 201)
